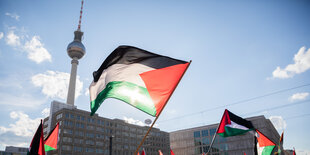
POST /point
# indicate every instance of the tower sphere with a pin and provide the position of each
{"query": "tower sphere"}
(76, 48)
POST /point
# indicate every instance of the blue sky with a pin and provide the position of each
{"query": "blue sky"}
(251, 55)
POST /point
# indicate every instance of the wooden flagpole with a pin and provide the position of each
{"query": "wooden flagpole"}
(137, 150)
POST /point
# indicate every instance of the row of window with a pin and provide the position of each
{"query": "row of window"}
(207, 140)
(215, 149)
(204, 133)
(101, 122)
(81, 149)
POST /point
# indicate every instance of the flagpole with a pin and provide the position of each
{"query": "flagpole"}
(213, 138)
(137, 150)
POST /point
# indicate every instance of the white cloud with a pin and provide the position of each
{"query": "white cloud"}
(13, 15)
(298, 96)
(36, 50)
(133, 121)
(301, 64)
(278, 122)
(12, 39)
(1, 35)
(33, 47)
(24, 126)
(20, 132)
(55, 84)
(86, 92)
(45, 112)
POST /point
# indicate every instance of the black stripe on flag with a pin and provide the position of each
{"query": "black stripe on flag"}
(128, 55)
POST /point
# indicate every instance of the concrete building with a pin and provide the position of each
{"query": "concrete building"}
(12, 150)
(80, 133)
(195, 141)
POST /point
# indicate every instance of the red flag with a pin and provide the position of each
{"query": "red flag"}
(294, 153)
(160, 153)
(51, 140)
(37, 143)
(171, 152)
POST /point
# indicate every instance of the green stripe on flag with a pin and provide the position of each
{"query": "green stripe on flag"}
(232, 132)
(130, 93)
(267, 150)
(48, 148)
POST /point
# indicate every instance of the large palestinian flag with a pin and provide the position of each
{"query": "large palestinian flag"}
(50, 142)
(264, 145)
(37, 143)
(140, 78)
(232, 125)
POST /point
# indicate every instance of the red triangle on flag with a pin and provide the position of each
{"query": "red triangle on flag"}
(161, 83)
(263, 140)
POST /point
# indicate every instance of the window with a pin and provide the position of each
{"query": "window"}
(59, 116)
(90, 127)
(197, 141)
(68, 131)
(212, 131)
(205, 148)
(68, 123)
(78, 141)
(204, 133)
(91, 135)
(205, 141)
(66, 147)
(99, 143)
(90, 142)
(197, 134)
(198, 150)
(67, 115)
(67, 139)
(72, 116)
(78, 149)
(89, 149)
(78, 117)
(99, 150)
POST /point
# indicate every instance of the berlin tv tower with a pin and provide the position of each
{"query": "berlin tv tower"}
(76, 51)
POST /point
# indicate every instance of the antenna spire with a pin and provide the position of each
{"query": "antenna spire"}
(81, 12)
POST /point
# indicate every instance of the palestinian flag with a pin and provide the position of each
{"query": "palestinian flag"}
(280, 143)
(294, 153)
(51, 140)
(171, 152)
(232, 125)
(140, 78)
(264, 145)
(37, 143)
(143, 152)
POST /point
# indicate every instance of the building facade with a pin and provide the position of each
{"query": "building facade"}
(12, 150)
(196, 141)
(80, 133)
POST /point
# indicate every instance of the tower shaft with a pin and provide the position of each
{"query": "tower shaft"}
(72, 83)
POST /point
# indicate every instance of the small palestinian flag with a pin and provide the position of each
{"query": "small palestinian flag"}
(264, 145)
(51, 140)
(140, 78)
(232, 125)
(143, 152)
(37, 143)
(171, 152)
